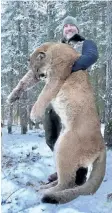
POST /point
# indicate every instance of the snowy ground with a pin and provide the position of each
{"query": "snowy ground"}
(27, 157)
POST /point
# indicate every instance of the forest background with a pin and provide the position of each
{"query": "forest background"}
(25, 25)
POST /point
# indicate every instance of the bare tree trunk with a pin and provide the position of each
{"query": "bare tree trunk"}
(108, 107)
(10, 109)
(23, 113)
(23, 48)
(2, 109)
(17, 114)
(10, 119)
(29, 120)
(37, 125)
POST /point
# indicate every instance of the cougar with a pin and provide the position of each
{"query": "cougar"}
(80, 143)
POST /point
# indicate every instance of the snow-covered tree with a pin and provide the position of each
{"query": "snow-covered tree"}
(108, 105)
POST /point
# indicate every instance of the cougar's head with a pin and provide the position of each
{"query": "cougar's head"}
(38, 62)
(52, 60)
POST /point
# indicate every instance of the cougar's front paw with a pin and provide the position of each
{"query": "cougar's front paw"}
(34, 115)
(13, 96)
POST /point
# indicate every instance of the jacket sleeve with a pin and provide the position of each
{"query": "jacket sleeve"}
(89, 56)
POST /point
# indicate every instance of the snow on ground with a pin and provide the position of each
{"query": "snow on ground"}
(27, 157)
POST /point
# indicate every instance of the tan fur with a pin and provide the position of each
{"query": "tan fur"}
(80, 142)
(56, 70)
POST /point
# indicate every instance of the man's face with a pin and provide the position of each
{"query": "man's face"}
(69, 30)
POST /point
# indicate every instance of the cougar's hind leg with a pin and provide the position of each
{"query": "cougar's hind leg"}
(65, 162)
(88, 188)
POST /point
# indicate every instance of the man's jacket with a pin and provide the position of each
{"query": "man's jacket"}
(87, 49)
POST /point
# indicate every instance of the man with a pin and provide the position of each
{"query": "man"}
(89, 55)
(87, 48)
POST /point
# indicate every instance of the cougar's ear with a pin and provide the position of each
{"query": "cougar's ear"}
(41, 55)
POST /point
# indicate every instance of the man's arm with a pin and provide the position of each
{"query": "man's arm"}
(89, 56)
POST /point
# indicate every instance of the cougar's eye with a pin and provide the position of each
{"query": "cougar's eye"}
(41, 55)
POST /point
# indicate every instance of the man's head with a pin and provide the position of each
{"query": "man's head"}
(69, 27)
